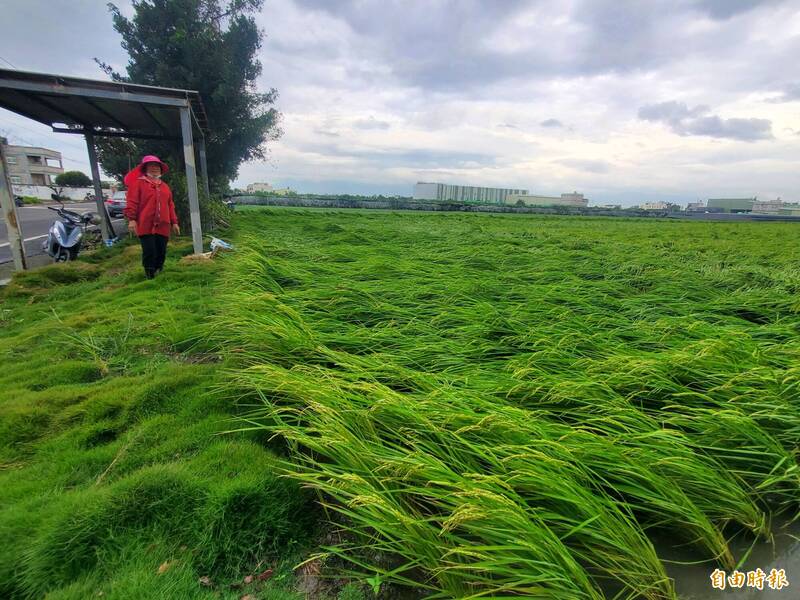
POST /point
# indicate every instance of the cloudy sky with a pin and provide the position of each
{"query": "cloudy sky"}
(623, 100)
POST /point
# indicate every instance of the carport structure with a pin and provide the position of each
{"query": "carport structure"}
(93, 108)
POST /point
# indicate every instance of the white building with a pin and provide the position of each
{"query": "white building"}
(259, 187)
(462, 193)
(769, 207)
(655, 206)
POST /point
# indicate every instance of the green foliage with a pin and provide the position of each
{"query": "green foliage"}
(73, 179)
(114, 481)
(117, 156)
(213, 213)
(204, 45)
(516, 406)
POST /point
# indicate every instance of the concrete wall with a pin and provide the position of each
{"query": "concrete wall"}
(42, 192)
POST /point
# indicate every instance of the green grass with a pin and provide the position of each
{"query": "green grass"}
(479, 405)
(111, 465)
(495, 406)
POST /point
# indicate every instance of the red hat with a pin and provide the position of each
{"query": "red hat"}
(137, 171)
(154, 159)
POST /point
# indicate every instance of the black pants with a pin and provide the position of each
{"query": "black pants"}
(154, 251)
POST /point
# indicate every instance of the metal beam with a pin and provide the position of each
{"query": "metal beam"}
(105, 221)
(10, 214)
(105, 113)
(191, 180)
(51, 106)
(72, 90)
(24, 112)
(201, 145)
(152, 118)
(124, 134)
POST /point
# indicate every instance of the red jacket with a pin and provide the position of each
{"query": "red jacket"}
(149, 203)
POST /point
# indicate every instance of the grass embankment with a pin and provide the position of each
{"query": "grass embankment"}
(516, 406)
(113, 483)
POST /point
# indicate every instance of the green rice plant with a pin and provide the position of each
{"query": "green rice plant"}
(496, 406)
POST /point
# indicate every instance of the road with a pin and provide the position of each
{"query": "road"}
(35, 221)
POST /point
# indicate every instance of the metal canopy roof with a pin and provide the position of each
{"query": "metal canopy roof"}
(102, 108)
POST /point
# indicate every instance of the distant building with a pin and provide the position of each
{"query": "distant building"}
(731, 205)
(463, 193)
(790, 210)
(283, 191)
(258, 187)
(655, 206)
(774, 207)
(31, 165)
(696, 207)
(573, 199)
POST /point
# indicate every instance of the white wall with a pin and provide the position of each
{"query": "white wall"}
(43, 192)
(426, 191)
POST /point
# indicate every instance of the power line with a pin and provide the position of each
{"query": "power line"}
(67, 141)
(63, 156)
(28, 142)
(8, 62)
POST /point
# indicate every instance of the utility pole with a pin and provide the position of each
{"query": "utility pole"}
(105, 222)
(191, 179)
(10, 215)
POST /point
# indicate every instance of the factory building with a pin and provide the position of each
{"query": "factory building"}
(463, 193)
(775, 207)
(574, 199)
(730, 205)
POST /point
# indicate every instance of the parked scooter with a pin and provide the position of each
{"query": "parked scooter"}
(64, 239)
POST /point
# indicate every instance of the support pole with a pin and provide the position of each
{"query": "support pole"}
(105, 221)
(10, 215)
(191, 180)
(201, 144)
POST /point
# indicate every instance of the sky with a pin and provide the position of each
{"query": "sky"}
(626, 101)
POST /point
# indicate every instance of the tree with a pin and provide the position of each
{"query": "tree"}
(118, 155)
(73, 179)
(208, 46)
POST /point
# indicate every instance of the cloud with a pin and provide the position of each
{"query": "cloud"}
(725, 9)
(790, 93)
(554, 123)
(371, 123)
(327, 133)
(588, 165)
(687, 121)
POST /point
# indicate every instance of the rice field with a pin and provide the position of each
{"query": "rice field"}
(494, 406)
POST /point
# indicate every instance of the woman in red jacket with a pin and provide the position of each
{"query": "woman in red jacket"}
(150, 212)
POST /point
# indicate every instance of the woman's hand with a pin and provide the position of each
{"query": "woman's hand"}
(132, 227)
(176, 229)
